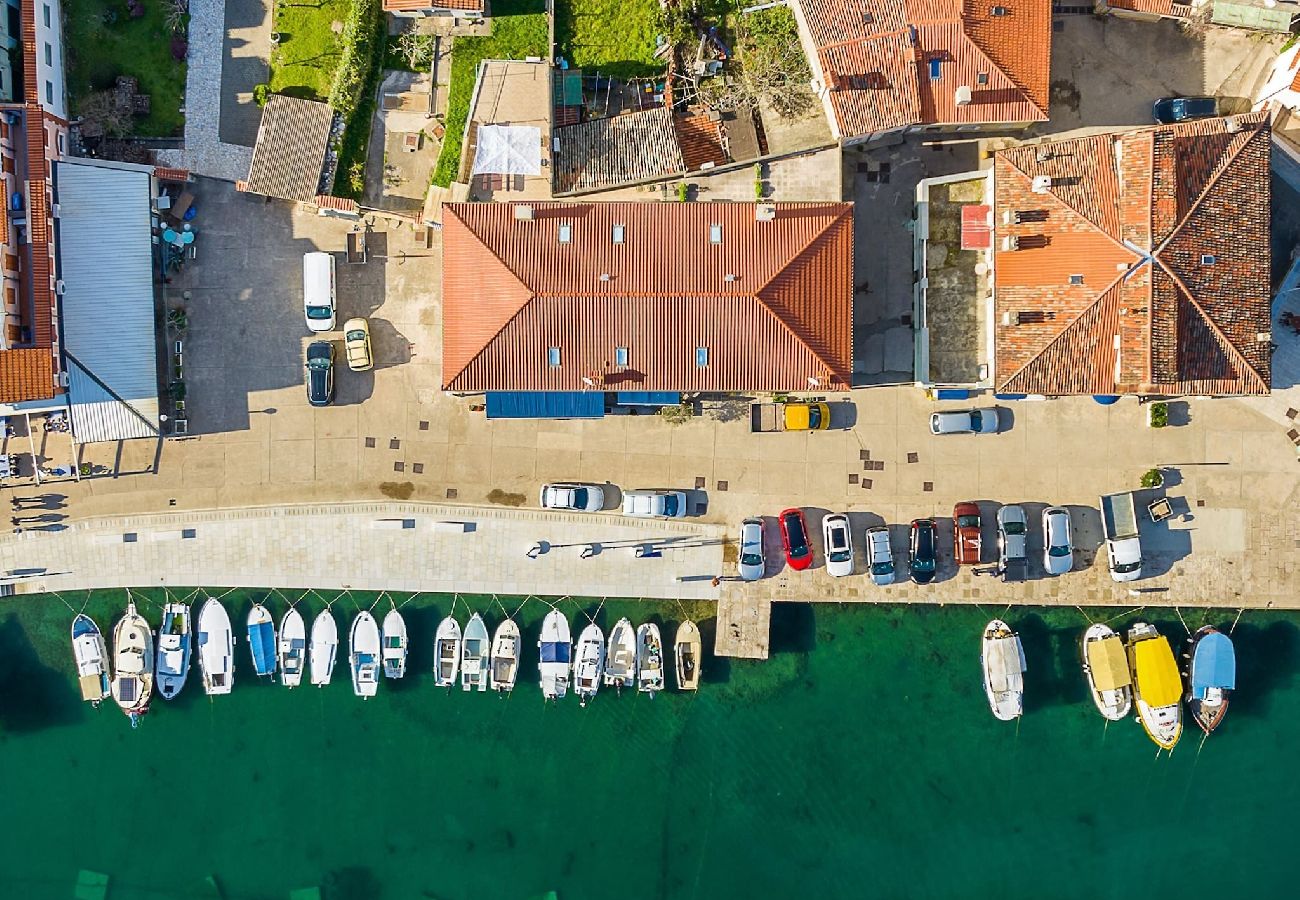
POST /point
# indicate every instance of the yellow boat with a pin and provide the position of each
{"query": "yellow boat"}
(1157, 686)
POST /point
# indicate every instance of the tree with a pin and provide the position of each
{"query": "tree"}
(770, 66)
(416, 50)
(102, 115)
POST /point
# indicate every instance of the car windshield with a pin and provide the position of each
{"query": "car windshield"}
(841, 556)
(319, 312)
(1058, 551)
(968, 521)
(354, 335)
(882, 568)
(751, 559)
(319, 363)
(670, 505)
(1128, 567)
(814, 417)
(1013, 527)
(923, 565)
(579, 496)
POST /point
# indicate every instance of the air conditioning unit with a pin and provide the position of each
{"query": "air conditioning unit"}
(59, 287)
(764, 212)
(605, 276)
(1010, 242)
(729, 277)
(962, 97)
(523, 213)
(1008, 217)
(54, 210)
(1011, 318)
(1042, 184)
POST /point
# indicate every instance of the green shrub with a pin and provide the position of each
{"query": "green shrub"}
(1152, 478)
(362, 41)
(677, 415)
(758, 189)
(683, 191)
(1159, 414)
(261, 93)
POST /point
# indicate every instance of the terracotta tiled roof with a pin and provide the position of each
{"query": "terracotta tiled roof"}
(26, 374)
(1142, 264)
(343, 204)
(700, 139)
(1151, 7)
(512, 290)
(417, 5)
(876, 59)
(290, 150)
(166, 173)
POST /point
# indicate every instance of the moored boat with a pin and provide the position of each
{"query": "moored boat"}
(475, 649)
(324, 647)
(589, 663)
(91, 656)
(133, 661)
(395, 644)
(293, 647)
(446, 652)
(1212, 677)
(620, 657)
(364, 655)
(505, 656)
(1002, 658)
(687, 648)
(172, 663)
(261, 640)
(1107, 671)
(1157, 687)
(649, 660)
(555, 652)
(216, 648)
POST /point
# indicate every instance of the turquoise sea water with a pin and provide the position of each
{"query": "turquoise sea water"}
(861, 760)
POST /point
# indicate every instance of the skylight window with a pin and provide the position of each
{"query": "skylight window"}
(566, 232)
(1076, 279)
(936, 69)
(553, 357)
(701, 356)
(715, 233)
(1207, 259)
(620, 356)
(618, 234)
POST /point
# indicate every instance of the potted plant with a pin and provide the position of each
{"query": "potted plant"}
(1153, 478)
(1157, 414)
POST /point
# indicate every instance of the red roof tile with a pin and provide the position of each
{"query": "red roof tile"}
(167, 173)
(512, 291)
(417, 5)
(26, 374)
(1142, 266)
(1152, 7)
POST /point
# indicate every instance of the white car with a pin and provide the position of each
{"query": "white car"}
(649, 504)
(1058, 547)
(838, 544)
(965, 421)
(573, 496)
(752, 565)
(880, 555)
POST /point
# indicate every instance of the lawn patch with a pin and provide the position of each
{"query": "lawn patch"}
(304, 62)
(615, 36)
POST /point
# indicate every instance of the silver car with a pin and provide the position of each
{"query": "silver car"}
(1058, 547)
(880, 555)
(752, 565)
(965, 421)
(1013, 532)
(573, 496)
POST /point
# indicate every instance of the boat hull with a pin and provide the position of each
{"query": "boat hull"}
(620, 656)
(364, 655)
(555, 651)
(261, 640)
(216, 646)
(133, 664)
(324, 648)
(1002, 660)
(395, 645)
(91, 656)
(1114, 704)
(1207, 696)
(292, 648)
(649, 659)
(475, 650)
(172, 665)
(687, 648)
(446, 653)
(589, 663)
(505, 656)
(1157, 691)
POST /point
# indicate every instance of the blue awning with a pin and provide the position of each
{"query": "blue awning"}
(552, 652)
(545, 405)
(1010, 396)
(951, 394)
(648, 398)
(1214, 663)
(261, 641)
(1106, 399)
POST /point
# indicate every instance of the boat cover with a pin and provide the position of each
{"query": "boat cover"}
(1109, 667)
(555, 652)
(1214, 664)
(261, 640)
(1003, 658)
(1156, 672)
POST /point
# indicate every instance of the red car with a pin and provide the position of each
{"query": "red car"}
(966, 533)
(794, 537)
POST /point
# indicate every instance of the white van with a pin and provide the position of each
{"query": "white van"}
(318, 290)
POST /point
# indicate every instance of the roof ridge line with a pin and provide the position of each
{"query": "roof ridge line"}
(1205, 192)
(1114, 240)
(486, 246)
(802, 343)
(1005, 74)
(447, 382)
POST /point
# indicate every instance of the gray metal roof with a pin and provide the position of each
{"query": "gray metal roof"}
(106, 264)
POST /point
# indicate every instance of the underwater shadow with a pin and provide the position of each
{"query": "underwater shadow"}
(794, 628)
(1267, 660)
(421, 626)
(1050, 664)
(33, 696)
(714, 669)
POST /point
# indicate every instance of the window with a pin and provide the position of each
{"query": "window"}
(58, 142)
(701, 356)
(982, 78)
(620, 356)
(47, 15)
(936, 69)
(715, 234)
(566, 233)
(1000, 11)
(553, 357)
(49, 93)
(1207, 259)
(1076, 279)
(49, 55)
(618, 234)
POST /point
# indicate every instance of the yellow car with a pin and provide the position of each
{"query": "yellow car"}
(356, 342)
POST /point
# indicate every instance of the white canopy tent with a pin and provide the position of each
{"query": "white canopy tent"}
(508, 150)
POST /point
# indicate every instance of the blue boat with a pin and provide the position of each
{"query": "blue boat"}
(1213, 677)
(261, 640)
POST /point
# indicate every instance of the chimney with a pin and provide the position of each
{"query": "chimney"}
(1231, 124)
(1011, 317)
(963, 95)
(1011, 242)
(523, 213)
(1042, 183)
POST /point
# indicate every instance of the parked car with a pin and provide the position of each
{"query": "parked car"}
(1168, 110)
(838, 544)
(794, 538)
(922, 552)
(1013, 531)
(356, 344)
(654, 504)
(752, 565)
(965, 421)
(880, 555)
(966, 533)
(1058, 545)
(318, 295)
(574, 496)
(320, 373)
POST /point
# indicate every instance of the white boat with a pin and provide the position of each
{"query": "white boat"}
(324, 648)
(649, 660)
(1107, 671)
(172, 663)
(620, 659)
(505, 656)
(687, 648)
(92, 659)
(1157, 685)
(216, 648)
(293, 647)
(364, 655)
(395, 644)
(132, 683)
(475, 649)
(555, 650)
(446, 653)
(589, 663)
(261, 640)
(1003, 659)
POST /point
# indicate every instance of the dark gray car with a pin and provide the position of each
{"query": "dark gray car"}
(320, 373)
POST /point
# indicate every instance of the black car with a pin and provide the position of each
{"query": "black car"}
(320, 373)
(1169, 110)
(921, 551)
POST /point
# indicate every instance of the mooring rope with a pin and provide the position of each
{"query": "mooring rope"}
(1236, 620)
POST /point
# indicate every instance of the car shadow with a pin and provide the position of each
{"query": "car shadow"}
(613, 497)
(773, 550)
(844, 416)
(813, 516)
(1086, 532)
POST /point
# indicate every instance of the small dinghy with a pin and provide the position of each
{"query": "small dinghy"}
(173, 660)
(620, 660)
(474, 655)
(1157, 685)
(1003, 660)
(92, 659)
(505, 656)
(324, 648)
(395, 644)
(364, 655)
(555, 651)
(446, 652)
(649, 660)
(132, 683)
(589, 663)
(261, 640)
(216, 648)
(1212, 677)
(293, 647)
(687, 648)
(1107, 671)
